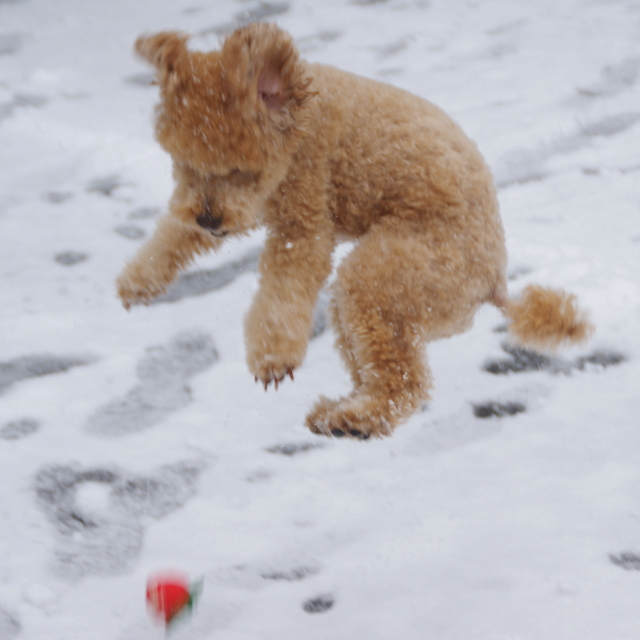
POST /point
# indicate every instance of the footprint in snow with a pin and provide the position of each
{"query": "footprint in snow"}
(9, 625)
(522, 360)
(293, 448)
(252, 576)
(460, 429)
(57, 197)
(130, 232)
(627, 560)
(498, 409)
(163, 372)
(107, 185)
(319, 604)
(291, 575)
(69, 258)
(98, 513)
(264, 11)
(35, 366)
(144, 213)
(201, 282)
(614, 79)
(18, 429)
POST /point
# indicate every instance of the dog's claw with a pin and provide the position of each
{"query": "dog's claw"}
(273, 377)
(337, 433)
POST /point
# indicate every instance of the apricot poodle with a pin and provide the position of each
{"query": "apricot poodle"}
(317, 155)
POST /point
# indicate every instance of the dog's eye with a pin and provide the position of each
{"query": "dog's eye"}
(242, 177)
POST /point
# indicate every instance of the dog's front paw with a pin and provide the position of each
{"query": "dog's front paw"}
(270, 369)
(135, 288)
(276, 342)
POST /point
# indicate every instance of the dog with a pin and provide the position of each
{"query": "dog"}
(317, 155)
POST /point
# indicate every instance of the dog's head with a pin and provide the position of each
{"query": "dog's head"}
(231, 119)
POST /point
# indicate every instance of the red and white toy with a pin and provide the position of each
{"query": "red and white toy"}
(169, 595)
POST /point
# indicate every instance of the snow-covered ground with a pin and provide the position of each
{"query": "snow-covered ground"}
(132, 442)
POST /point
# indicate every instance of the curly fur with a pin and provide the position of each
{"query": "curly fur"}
(318, 155)
(546, 318)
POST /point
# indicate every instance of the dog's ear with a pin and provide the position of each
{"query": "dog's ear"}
(275, 63)
(269, 70)
(164, 51)
(271, 84)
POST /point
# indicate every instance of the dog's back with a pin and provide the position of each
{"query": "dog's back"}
(394, 155)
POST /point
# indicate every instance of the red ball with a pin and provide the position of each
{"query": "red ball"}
(168, 595)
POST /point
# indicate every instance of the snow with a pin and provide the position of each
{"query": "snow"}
(136, 442)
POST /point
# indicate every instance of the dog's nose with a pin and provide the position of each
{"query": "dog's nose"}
(208, 221)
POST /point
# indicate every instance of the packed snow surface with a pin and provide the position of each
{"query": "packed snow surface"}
(509, 509)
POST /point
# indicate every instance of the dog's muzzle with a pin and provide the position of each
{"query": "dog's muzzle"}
(211, 223)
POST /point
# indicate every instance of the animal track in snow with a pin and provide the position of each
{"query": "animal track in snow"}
(522, 360)
(627, 560)
(460, 429)
(18, 429)
(9, 625)
(69, 258)
(20, 100)
(98, 512)
(144, 213)
(163, 389)
(457, 430)
(57, 197)
(198, 283)
(319, 604)
(449, 432)
(255, 576)
(527, 165)
(318, 40)
(262, 11)
(291, 575)
(130, 231)
(293, 448)
(614, 79)
(498, 409)
(141, 79)
(106, 185)
(35, 366)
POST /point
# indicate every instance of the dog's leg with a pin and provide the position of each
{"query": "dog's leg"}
(392, 367)
(294, 265)
(344, 345)
(393, 294)
(158, 262)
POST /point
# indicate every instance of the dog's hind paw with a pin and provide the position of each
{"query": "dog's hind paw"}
(357, 418)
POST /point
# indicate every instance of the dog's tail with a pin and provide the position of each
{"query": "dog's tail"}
(544, 319)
